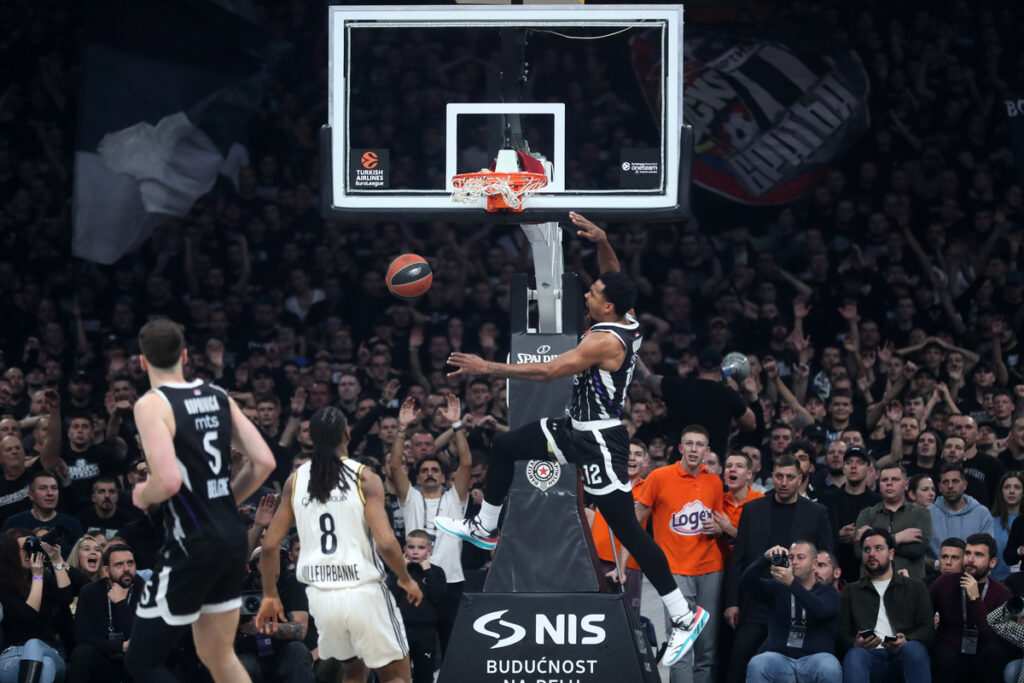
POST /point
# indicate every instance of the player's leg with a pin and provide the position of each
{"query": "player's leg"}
(529, 442)
(354, 671)
(214, 634)
(617, 508)
(152, 641)
(395, 672)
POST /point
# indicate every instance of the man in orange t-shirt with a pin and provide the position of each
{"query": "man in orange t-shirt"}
(637, 466)
(738, 472)
(684, 500)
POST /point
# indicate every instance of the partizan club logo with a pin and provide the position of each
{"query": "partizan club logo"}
(542, 473)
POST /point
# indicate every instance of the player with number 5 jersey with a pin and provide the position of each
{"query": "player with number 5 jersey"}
(337, 505)
(187, 431)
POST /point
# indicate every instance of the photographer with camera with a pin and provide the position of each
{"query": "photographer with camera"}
(1008, 621)
(32, 596)
(280, 655)
(104, 619)
(801, 620)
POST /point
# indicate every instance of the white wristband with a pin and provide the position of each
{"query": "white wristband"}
(457, 424)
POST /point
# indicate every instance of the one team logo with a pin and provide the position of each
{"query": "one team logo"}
(542, 473)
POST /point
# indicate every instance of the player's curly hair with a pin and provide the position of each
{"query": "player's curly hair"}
(327, 428)
(619, 290)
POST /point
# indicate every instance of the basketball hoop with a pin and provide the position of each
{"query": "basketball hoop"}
(504, 190)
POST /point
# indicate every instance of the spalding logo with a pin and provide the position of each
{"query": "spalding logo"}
(542, 473)
(688, 521)
(535, 357)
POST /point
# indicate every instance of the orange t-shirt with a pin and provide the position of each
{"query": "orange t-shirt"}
(679, 503)
(733, 512)
(599, 530)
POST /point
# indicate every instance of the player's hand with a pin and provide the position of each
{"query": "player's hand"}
(137, 494)
(271, 612)
(412, 590)
(467, 364)
(586, 228)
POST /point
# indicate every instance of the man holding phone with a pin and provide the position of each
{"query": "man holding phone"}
(886, 621)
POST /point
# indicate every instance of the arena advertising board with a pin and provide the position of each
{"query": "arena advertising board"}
(768, 114)
(554, 637)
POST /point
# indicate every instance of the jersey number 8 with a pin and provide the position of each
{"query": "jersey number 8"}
(328, 541)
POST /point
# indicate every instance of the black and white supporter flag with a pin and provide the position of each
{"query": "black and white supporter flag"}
(167, 90)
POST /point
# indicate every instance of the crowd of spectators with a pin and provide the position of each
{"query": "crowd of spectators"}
(881, 316)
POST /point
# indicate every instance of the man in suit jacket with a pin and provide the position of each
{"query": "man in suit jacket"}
(779, 518)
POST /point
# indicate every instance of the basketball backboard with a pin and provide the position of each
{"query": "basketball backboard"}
(420, 93)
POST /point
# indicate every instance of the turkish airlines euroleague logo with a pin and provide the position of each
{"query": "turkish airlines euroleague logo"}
(369, 160)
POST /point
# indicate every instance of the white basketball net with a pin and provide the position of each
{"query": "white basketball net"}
(474, 188)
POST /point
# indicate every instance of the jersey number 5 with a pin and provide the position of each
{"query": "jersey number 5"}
(212, 450)
(328, 541)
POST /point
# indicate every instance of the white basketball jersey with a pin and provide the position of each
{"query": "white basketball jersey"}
(337, 546)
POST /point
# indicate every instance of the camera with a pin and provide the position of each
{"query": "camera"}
(251, 601)
(34, 544)
(1015, 606)
(780, 559)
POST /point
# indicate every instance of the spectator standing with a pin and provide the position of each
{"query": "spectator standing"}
(104, 516)
(955, 513)
(779, 518)
(802, 617)
(684, 499)
(886, 619)
(14, 483)
(844, 505)
(980, 467)
(421, 620)
(1005, 512)
(910, 525)
(738, 476)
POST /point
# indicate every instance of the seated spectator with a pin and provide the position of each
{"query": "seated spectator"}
(280, 656)
(32, 597)
(955, 513)
(85, 563)
(44, 495)
(16, 477)
(886, 619)
(1007, 624)
(827, 571)
(104, 619)
(421, 621)
(802, 617)
(966, 646)
(951, 558)
(104, 515)
(910, 524)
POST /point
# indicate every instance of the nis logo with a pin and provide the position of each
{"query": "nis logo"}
(567, 629)
(543, 355)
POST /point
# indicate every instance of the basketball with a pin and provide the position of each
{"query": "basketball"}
(409, 277)
(736, 365)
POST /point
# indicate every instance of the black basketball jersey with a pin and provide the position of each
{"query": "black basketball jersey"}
(600, 394)
(203, 508)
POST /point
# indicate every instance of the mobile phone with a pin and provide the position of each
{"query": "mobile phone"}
(890, 639)
(866, 633)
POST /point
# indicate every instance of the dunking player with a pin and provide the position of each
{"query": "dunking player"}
(591, 436)
(338, 507)
(187, 430)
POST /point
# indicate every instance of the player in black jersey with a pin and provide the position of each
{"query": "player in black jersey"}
(187, 431)
(591, 436)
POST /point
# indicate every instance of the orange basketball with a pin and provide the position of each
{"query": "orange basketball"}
(409, 276)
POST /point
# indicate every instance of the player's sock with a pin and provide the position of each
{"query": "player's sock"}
(489, 516)
(677, 606)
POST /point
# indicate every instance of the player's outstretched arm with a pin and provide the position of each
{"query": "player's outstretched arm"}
(155, 421)
(384, 536)
(259, 461)
(595, 349)
(606, 258)
(272, 609)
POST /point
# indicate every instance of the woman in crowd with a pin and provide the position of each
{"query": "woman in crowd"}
(921, 490)
(86, 563)
(32, 595)
(1005, 510)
